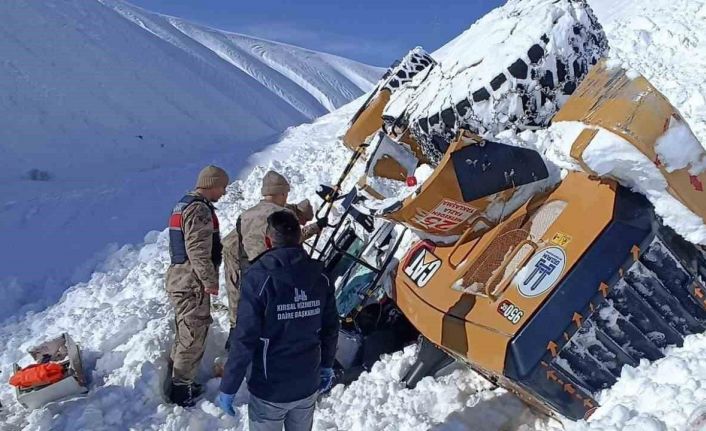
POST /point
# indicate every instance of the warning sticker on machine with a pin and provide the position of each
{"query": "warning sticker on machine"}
(561, 239)
(446, 216)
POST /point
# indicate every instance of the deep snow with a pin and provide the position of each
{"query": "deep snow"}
(125, 360)
(113, 110)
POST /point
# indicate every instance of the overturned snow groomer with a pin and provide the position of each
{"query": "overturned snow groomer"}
(557, 297)
(545, 283)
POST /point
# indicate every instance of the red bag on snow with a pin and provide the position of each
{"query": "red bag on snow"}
(37, 375)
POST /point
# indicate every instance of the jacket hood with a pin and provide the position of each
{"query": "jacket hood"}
(289, 265)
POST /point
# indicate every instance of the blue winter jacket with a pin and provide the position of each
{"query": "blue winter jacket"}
(287, 327)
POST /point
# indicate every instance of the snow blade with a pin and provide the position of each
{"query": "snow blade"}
(632, 109)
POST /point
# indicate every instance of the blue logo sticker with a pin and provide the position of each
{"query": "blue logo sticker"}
(541, 273)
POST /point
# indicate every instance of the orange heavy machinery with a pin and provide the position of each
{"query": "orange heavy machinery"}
(547, 286)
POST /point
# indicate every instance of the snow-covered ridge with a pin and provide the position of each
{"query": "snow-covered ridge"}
(312, 82)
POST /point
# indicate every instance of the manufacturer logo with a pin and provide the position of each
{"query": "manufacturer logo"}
(446, 216)
(422, 266)
(510, 311)
(541, 273)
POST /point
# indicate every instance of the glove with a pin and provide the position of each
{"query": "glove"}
(225, 402)
(212, 290)
(322, 222)
(327, 380)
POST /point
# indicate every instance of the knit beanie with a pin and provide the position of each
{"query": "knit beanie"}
(274, 184)
(305, 209)
(212, 176)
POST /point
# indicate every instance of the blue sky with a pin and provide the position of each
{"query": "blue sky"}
(372, 31)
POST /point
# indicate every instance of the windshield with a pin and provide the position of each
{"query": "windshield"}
(353, 292)
(343, 261)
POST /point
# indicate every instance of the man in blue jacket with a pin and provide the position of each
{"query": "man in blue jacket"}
(287, 330)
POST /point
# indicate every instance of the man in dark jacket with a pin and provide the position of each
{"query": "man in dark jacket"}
(287, 329)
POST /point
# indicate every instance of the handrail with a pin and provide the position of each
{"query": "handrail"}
(356, 259)
(330, 198)
(464, 236)
(501, 288)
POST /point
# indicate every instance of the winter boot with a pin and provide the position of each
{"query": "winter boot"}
(196, 389)
(185, 394)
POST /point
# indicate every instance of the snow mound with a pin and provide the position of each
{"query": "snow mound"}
(377, 400)
(660, 396)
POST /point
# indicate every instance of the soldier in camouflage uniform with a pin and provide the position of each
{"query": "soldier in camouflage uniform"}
(247, 241)
(195, 250)
(232, 255)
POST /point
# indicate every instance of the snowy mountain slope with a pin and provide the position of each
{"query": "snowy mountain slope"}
(331, 81)
(112, 110)
(82, 80)
(125, 361)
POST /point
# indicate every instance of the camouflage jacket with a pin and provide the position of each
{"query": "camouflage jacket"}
(247, 241)
(197, 224)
